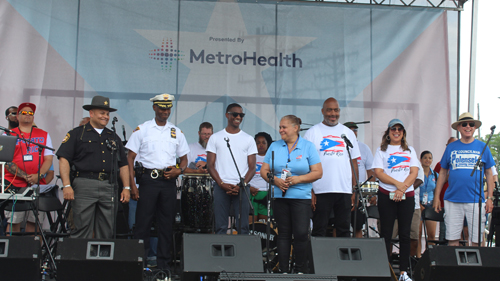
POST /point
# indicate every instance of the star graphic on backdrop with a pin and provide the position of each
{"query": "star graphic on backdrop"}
(217, 80)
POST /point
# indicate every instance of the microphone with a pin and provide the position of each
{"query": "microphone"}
(124, 133)
(346, 140)
(493, 127)
(6, 130)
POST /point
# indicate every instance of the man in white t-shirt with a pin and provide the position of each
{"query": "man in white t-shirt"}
(365, 162)
(197, 156)
(223, 171)
(334, 189)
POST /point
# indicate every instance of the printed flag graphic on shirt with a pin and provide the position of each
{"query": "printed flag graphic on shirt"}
(202, 157)
(396, 161)
(332, 143)
(257, 170)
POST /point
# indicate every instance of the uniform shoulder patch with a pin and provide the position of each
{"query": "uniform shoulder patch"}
(137, 129)
(66, 138)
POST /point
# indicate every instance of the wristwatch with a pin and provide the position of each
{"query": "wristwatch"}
(126, 187)
(182, 170)
(490, 197)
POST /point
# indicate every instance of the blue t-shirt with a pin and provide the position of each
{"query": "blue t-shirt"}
(428, 186)
(459, 158)
(303, 156)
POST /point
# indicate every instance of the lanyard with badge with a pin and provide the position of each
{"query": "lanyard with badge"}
(287, 172)
(28, 157)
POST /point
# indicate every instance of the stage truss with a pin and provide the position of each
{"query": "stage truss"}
(456, 5)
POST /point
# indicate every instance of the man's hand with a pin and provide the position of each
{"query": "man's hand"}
(172, 174)
(253, 190)
(489, 206)
(134, 191)
(201, 164)
(125, 196)
(68, 193)
(32, 179)
(313, 201)
(436, 204)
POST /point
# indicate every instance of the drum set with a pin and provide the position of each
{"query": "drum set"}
(197, 213)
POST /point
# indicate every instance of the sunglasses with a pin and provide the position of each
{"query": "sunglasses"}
(12, 114)
(235, 114)
(30, 113)
(471, 124)
(394, 129)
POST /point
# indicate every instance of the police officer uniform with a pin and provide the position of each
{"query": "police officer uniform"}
(156, 148)
(90, 154)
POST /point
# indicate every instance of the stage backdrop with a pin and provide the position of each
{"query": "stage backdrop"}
(274, 58)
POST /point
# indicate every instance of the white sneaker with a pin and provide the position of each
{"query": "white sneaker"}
(404, 277)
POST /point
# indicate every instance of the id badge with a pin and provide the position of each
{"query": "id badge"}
(425, 198)
(285, 173)
(28, 158)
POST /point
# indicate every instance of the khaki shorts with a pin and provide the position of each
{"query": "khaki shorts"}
(23, 216)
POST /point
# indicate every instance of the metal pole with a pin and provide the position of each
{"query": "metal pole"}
(472, 67)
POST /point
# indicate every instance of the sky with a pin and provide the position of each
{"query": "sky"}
(487, 64)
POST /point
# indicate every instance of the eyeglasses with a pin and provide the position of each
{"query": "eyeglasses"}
(471, 124)
(394, 129)
(30, 113)
(12, 114)
(235, 114)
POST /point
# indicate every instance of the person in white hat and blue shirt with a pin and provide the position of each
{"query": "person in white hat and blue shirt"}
(156, 144)
(462, 196)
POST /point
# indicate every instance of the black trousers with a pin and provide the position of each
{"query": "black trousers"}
(156, 196)
(292, 217)
(341, 205)
(403, 211)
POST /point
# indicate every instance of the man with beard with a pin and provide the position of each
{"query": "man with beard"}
(221, 168)
(155, 144)
(23, 170)
(334, 189)
(11, 116)
(197, 157)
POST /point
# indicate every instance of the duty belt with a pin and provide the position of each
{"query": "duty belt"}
(93, 175)
(154, 173)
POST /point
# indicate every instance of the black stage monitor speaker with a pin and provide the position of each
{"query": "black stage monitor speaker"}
(458, 263)
(210, 254)
(95, 259)
(20, 258)
(350, 258)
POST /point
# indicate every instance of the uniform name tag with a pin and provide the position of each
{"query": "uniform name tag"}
(27, 157)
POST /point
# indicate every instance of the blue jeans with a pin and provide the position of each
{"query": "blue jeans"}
(292, 218)
(222, 203)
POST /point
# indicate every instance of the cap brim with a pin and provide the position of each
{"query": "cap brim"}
(89, 107)
(477, 123)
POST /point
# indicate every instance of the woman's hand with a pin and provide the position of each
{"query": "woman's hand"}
(281, 184)
(398, 195)
(401, 186)
(293, 180)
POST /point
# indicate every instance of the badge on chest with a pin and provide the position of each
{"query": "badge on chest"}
(28, 158)
(173, 133)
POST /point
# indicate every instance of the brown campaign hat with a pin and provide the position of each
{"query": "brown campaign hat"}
(99, 102)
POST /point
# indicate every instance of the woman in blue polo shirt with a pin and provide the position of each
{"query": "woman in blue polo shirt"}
(296, 166)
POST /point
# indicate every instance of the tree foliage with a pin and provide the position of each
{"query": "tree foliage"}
(494, 147)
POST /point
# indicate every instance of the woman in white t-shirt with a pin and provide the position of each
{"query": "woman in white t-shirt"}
(396, 166)
(258, 186)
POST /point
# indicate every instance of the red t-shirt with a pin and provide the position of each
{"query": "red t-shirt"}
(445, 186)
(30, 166)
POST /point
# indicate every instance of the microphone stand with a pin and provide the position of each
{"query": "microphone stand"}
(241, 184)
(113, 178)
(270, 197)
(479, 164)
(356, 189)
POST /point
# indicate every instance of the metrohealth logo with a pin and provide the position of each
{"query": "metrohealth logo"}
(166, 55)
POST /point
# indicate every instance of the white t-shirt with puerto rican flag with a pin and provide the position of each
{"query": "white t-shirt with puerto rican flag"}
(337, 175)
(257, 180)
(396, 163)
(196, 153)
